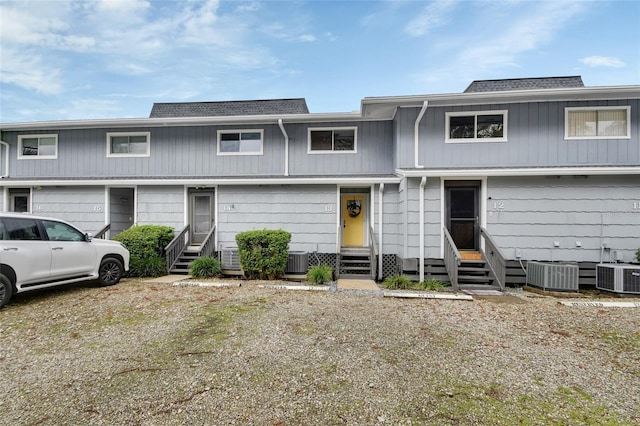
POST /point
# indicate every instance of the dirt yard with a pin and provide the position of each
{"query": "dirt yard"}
(142, 353)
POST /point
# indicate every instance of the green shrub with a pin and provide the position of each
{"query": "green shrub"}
(146, 245)
(397, 282)
(638, 255)
(320, 274)
(432, 284)
(148, 267)
(263, 254)
(205, 267)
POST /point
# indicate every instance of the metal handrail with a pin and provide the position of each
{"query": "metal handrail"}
(495, 259)
(174, 249)
(101, 233)
(208, 245)
(452, 258)
(373, 253)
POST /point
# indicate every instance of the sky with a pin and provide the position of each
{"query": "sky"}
(93, 59)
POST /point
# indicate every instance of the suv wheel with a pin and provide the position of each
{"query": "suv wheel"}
(110, 271)
(6, 290)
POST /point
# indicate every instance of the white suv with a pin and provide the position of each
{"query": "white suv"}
(39, 252)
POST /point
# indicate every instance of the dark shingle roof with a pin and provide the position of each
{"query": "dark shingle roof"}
(525, 84)
(229, 108)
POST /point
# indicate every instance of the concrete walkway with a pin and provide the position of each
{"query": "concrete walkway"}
(357, 284)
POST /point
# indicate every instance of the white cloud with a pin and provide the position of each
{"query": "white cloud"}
(433, 15)
(29, 71)
(602, 61)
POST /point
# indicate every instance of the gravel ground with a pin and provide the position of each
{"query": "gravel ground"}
(155, 354)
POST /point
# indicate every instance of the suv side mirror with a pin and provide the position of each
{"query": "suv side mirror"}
(88, 236)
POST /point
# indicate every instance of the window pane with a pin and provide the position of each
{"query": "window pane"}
(57, 231)
(138, 145)
(490, 126)
(250, 136)
(612, 122)
(230, 136)
(47, 141)
(321, 140)
(461, 127)
(30, 146)
(251, 146)
(47, 146)
(582, 123)
(229, 146)
(119, 144)
(344, 140)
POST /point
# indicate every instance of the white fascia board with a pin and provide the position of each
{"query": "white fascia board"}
(379, 107)
(541, 171)
(181, 121)
(203, 182)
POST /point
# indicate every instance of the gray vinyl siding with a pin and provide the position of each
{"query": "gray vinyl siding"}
(83, 206)
(535, 134)
(192, 152)
(309, 213)
(392, 236)
(161, 205)
(432, 219)
(374, 151)
(536, 212)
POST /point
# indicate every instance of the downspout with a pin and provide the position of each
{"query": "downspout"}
(286, 147)
(423, 182)
(380, 204)
(6, 160)
(416, 136)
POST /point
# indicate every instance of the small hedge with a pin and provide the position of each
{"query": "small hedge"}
(205, 267)
(263, 254)
(146, 245)
(320, 274)
(638, 255)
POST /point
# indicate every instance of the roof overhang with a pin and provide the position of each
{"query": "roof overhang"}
(526, 171)
(384, 108)
(203, 182)
(181, 121)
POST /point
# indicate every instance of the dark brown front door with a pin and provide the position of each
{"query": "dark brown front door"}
(462, 216)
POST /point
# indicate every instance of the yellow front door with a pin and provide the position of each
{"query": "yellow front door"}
(353, 220)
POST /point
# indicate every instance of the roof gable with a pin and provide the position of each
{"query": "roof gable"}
(524, 84)
(229, 108)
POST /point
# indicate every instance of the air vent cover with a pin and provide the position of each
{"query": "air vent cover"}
(230, 259)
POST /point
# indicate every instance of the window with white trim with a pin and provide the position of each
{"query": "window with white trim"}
(597, 122)
(333, 139)
(38, 146)
(480, 126)
(122, 144)
(240, 142)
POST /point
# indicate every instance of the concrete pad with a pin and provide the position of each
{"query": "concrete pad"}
(167, 279)
(357, 284)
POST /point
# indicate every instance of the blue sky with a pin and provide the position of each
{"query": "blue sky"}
(63, 60)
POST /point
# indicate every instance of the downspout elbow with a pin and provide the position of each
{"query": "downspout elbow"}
(416, 136)
(286, 147)
(6, 160)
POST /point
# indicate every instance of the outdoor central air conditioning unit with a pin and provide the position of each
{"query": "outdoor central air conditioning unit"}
(230, 259)
(553, 276)
(298, 262)
(618, 278)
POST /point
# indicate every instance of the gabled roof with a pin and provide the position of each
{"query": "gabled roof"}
(525, 84)
(229, 108)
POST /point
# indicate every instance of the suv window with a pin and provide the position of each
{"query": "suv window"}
(19, 229)
(57, 231)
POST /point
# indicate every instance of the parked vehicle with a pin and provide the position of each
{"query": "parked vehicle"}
(39, 252)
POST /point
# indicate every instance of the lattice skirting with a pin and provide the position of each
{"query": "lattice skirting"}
(316, 259)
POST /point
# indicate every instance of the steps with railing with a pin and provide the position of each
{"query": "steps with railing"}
(180, 254)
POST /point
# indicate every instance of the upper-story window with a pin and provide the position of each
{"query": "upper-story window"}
(481, 126)
(38, 146)
(134, 144)
(597, 123)
(335, 139)
(240, 142)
